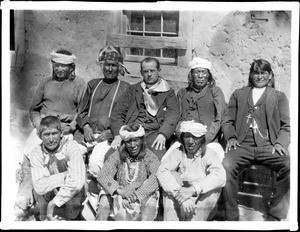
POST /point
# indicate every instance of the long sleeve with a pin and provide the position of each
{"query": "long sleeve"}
(83, 110)
(80, 92)
(70, 182)
(43, 181)
(120, 110)
(75, 178)
(228, 125)
(34, 110)
(150, 184)
(107, 173)
(283, 137)
(220, 104)
(216, 175)
(171, 115)
(164, 174)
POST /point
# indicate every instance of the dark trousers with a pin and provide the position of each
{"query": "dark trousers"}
(235, 161)
(70, 210)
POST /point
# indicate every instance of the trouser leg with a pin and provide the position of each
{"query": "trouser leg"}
(234, 162)
(104, 208)
(280, 202)
(149, 207)
(205, 203)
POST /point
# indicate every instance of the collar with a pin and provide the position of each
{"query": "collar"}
(160, 86)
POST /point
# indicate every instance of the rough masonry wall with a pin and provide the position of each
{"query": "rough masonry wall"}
(231, 40)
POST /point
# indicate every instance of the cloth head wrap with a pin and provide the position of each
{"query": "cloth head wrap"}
(198, 62)
(110, 53)
(196, 129)
(126, 135)
(62, 58)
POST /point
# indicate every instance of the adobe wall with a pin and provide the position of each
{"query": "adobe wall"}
(229, 39)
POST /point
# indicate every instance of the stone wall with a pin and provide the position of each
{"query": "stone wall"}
(231, 40)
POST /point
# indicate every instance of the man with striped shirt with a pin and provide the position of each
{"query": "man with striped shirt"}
(58, 173)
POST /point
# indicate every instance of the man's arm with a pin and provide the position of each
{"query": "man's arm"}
(229, 120)
(43, 181)
(216, 176)
(119, 112)
(84, 105)
(80, 93)
(150, 185)
(107, 174)
(165, 172)
(34, 110)
(220, 104)
(285, 128)
(75, 177)
(171, 115)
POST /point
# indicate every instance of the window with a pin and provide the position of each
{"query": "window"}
(167, 35)
(155, 24)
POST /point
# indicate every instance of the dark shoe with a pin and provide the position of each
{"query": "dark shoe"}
(269, 217)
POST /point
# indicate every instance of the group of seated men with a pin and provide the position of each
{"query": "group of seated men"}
(149, 149)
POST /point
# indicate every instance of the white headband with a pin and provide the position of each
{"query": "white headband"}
(196, 129)
(198, 62)
(62, 58)
(126, 135)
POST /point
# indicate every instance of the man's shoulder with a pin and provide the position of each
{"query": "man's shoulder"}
(79, 80)
(35, 152)
(94, 81)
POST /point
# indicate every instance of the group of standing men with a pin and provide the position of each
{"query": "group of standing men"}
(144, 143)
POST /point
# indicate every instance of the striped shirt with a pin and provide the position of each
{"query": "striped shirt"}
(113, 175)
(47, 177)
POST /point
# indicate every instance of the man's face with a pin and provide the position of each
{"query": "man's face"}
(260, 79)
(51, 138)
(191, 143)
(111, 69)
(199, 77)
(150, 73)
(134, 146)
(61, 71)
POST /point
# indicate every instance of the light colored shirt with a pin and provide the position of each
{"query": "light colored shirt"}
(204, 173)
(45, 180)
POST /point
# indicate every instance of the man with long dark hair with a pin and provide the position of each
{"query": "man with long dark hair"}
(202, 100)
(257, 131)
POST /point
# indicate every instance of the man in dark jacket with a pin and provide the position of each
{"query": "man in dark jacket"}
(257, 131)
(151, 103)
(98, 101)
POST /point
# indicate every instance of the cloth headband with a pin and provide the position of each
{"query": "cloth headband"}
(126, 135)
(196, 129)
(62, 58)
(198, 62)
(109, 53)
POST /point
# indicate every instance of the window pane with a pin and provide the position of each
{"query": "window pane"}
(136, 51)
(170, 22)
(136, 21)
(152, 52)
(169, 53)
(152, 21)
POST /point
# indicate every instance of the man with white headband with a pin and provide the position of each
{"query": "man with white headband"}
(58, 95)
(128, 179)
(99, 99)
(202, 100)
(151, 103)
(191, 176)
